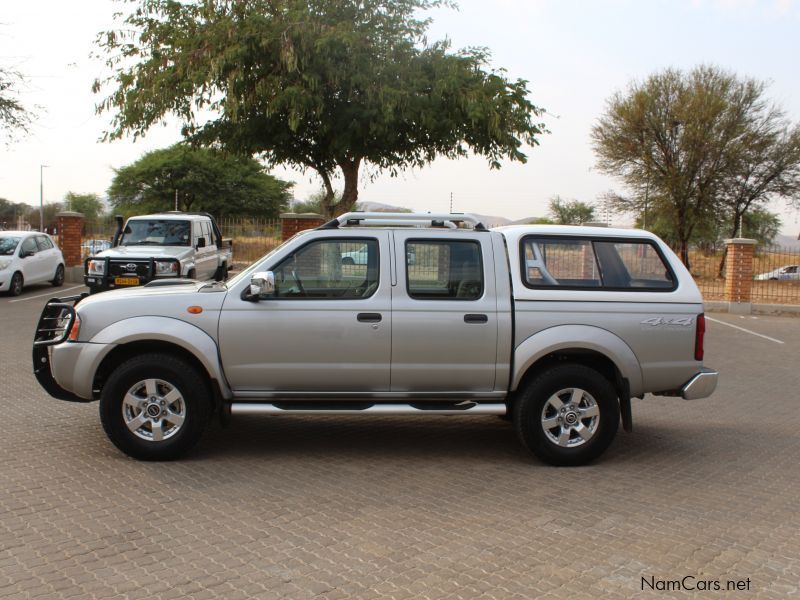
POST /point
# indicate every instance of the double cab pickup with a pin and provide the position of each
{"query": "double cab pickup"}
(555, 328)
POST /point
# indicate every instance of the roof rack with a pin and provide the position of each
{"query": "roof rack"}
(419, 219)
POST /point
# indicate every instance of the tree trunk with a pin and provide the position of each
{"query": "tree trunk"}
(734, 233)
(326, 205)
(350, 194)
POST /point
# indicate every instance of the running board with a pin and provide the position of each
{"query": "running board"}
(310, 408)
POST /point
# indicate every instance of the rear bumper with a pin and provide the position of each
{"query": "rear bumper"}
(701, 385)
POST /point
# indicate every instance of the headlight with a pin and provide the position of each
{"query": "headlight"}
(4, 264)
(97, 267)
(165, 269)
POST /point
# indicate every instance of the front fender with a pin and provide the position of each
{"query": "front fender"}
(174, 331)
(584, 337)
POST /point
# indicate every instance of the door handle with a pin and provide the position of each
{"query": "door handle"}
(369, 317)
(476, 319)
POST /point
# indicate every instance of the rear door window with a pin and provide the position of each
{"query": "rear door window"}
(444, 270)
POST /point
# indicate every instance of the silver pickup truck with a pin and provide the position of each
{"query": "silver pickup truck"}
(553, 327)
(161, 246)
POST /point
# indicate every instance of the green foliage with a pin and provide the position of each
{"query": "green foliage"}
(541, 221)
(761, 225)
(570, 212)
(205, 180)
(696, 146)
(326, 85)
(14, 116)
(89, 205)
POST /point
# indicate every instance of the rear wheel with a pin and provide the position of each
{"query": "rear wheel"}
(58, 280)
(568, 415)
(155, 407)
(15, 287)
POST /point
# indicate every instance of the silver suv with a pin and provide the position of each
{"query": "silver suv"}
(554, 327)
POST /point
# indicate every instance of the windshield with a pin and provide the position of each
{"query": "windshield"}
(8, 245)
(147, 232)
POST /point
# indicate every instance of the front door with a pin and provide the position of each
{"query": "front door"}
(328, 326)
(444, 313)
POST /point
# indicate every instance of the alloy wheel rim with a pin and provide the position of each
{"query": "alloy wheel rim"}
(570, 417)
(154, 410)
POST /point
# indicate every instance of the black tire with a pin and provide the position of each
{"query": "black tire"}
(221, 272)
(58, 280)
(347, 260)
(538, 400)
(95, 289)
(16, 285)
(192, 274)
(172, 373)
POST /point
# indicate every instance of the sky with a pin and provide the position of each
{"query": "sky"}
(574, 53)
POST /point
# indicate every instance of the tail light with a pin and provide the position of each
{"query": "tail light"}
(699, 334)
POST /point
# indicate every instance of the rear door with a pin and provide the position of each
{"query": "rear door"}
(326, 329)
(444, 312)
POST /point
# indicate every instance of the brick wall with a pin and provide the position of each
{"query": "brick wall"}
(70, 232)
(739, 273)
(292, 223)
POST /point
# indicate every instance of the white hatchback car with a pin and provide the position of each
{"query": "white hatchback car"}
(28, 257)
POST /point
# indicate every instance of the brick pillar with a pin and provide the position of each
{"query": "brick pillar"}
(292, 223)
(70, 232)
(739, 274)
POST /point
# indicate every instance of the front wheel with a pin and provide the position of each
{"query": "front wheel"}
(58, 280)
(155, 407)
(568, 415)
(16, 284)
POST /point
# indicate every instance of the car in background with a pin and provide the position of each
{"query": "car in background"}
(28, 257)
(91, 247)
(359, 257)
(787, 273)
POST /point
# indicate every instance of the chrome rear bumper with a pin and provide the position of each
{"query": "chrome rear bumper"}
(701, 385)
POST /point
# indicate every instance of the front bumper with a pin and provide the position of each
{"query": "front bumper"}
(701, 385)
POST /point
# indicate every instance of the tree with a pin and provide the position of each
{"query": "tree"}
(11, 211)
(325, 85)
(89, 205)
(762, 226)
(203, 179)
(691, 144)
(14, 117)
(570, 212)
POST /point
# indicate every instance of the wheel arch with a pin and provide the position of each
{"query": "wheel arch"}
(591, 346)
(140, 335)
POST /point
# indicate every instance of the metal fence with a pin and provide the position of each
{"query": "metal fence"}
(776, 274)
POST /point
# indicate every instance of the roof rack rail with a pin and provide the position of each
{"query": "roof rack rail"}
(418, 219)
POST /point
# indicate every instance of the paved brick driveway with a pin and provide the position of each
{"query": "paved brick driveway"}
(407, 507)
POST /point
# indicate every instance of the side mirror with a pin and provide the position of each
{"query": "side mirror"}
(262, 284)
(201, 242)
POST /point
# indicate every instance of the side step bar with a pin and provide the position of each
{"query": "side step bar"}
(298, 408)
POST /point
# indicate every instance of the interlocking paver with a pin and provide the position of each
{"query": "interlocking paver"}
(304, 507)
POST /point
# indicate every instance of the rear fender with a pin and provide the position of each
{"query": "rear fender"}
(580, 337)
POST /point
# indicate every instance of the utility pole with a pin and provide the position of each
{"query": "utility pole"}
(451, 202)
(176, 199)
(41, 196)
